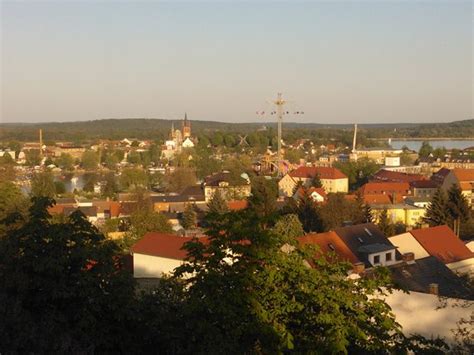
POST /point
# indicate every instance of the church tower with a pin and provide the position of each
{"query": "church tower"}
(186, 128)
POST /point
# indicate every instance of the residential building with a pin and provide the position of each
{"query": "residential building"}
(158, 254)
(403, 213)
(369, 245)
(230, 187)
(423, 188)
(440, 242)
(332, 179)
(178, 202)
(464, 178)
(317, 194)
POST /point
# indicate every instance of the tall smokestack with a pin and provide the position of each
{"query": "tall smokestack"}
(354, 142)
(41, 142)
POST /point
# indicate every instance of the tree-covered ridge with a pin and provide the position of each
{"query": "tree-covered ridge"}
(142, 128)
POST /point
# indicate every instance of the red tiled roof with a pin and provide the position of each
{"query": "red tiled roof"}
(319, 190)
(237, 205)
(164, 245)
(323, 172)
(464, 174)
(330, 242)
(385, 187)
(442, 243)
(379, 199)
(395, 176)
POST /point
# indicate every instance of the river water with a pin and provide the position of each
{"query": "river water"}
(448, 144)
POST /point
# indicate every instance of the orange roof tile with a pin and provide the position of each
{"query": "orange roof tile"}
(330, 242)
(442, 243)
(464, 174)
(385, 187)
(378, 199)
(164, 245)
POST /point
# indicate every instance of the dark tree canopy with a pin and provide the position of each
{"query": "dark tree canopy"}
(61, 287)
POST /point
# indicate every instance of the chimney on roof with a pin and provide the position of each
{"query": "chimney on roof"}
(434, 289)
(359, 268)
(408, 257)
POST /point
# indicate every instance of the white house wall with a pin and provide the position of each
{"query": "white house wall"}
(153, 266)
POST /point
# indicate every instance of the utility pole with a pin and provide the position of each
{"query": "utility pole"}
(41, 142)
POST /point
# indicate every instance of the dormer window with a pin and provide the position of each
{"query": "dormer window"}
(223, 184)
(331, 246)
(368, 232)
(360, 240)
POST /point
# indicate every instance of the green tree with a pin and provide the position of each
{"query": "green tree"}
(132, 178)
(62, 288)
(316, 181)
(289, 228)
(229, 140)
(33, 157)
(111, 160)
(338, 210)
(60, 187)
(385, 225)
(110, 186)
(180, 179)
(436, 212)
(65, 161)
(90, 179)
(425, 150)
(308, 211)
(457, 207)
(189, 217)
(217, 139)
(90, 160)
(12, 202)
(134, 158)
(217, 204)
(243, 292)
(358, 171)
(263, 198)
(42, 185)
(144, 220)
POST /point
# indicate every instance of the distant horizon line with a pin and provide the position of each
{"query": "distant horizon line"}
(232, 122)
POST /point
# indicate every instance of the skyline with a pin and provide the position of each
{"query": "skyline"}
(344, 62)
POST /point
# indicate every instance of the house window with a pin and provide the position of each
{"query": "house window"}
(377, 259)
(388, 257)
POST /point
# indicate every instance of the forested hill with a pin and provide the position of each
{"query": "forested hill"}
(158, 129)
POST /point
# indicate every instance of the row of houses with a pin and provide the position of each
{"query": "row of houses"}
(427, 262)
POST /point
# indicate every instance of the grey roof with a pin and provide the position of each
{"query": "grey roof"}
(361, 235)
(89, 211)
(375, 248)
(419, 275)
(65, 201)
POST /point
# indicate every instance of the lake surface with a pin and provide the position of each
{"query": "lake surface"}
(448, 144)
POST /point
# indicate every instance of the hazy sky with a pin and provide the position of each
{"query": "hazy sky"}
(341, 62)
